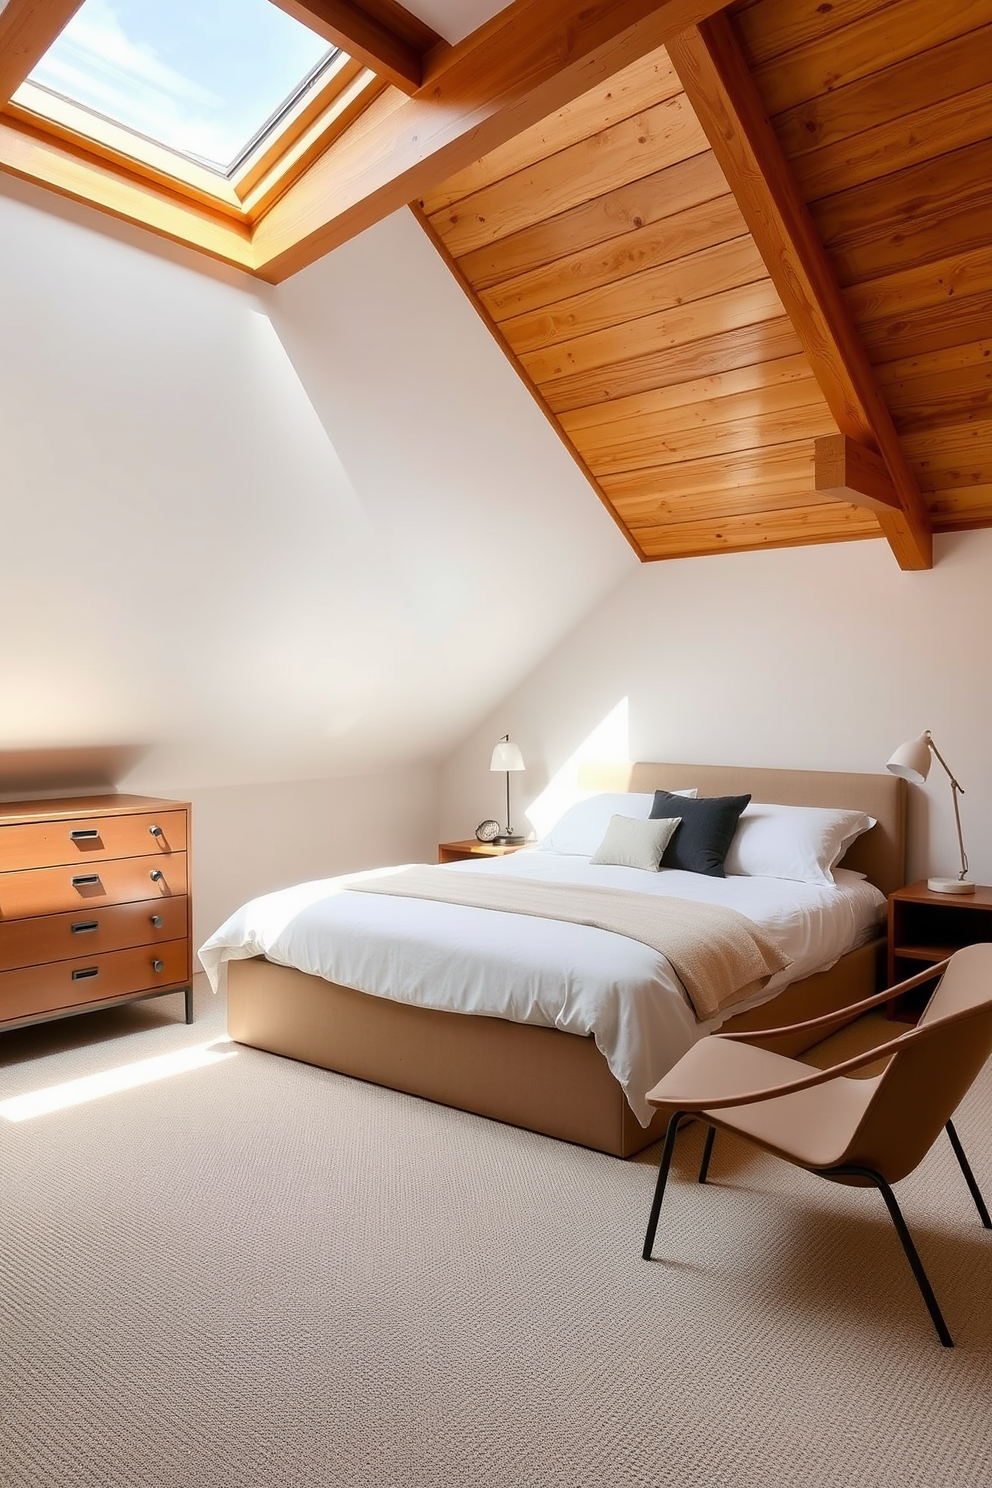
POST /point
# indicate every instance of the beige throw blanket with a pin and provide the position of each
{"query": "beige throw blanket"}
(719, 956)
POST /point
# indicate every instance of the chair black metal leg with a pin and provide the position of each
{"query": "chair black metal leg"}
(912, 1255)
(969, 1177)
(659, 1192)
(704, 1166)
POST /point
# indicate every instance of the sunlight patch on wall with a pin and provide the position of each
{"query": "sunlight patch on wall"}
(609, 743)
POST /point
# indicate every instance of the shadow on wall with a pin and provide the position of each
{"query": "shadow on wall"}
(66, 771)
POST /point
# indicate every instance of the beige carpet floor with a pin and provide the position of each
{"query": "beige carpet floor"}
(245, 1273)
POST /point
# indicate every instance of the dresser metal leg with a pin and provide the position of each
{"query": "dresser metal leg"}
(189, 1004)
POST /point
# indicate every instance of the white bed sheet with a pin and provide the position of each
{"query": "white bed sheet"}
(573, 977)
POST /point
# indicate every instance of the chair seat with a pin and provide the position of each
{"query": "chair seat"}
(812, 1128)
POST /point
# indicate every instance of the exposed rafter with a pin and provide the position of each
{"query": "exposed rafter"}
(725, 98)
(379, 33)
(531, 59)
(850, 472)
(27, 30)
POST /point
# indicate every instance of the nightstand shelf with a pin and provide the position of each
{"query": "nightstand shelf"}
(460, 852)
(926, 927)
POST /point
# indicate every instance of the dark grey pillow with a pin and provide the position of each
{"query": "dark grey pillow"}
(703, 840)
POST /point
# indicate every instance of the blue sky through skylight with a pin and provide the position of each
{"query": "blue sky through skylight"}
(200, 76)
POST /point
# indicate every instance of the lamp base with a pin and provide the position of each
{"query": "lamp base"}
(504, 841)
(945, 885)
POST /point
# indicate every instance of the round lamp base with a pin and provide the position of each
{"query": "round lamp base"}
(506, 840)
(950, 886)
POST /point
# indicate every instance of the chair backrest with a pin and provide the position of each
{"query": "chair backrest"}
(923, 1083)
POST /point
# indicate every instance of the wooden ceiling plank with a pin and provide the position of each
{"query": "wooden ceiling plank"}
(948, 323)
(660, 136)
(671, 448)
(758, 377)
(852, 473)
(921, 244)
(769, 28)
(723, 93)
(921, 81)
(752, 404)
(950, 124)
(860, 50)
(792, 527)
(669, 285)
(746, 306)
(722, 351)
(27, 29)
(659, 197)
(649, 81)
(785, 464)
(530, 60)
(359, 31)
(702, 226)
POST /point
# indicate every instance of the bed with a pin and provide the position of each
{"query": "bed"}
(552, 1079)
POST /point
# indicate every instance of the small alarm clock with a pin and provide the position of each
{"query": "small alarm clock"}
(486, 831)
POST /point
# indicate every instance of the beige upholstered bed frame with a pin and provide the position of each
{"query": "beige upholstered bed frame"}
(541, 1078)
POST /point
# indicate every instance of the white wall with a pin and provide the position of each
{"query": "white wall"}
(825, 657)
(284, 544)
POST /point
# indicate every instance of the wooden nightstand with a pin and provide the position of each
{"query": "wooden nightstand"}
(925, 927)
(457, 852)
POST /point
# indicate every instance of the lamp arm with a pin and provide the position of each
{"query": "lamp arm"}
(956, 791)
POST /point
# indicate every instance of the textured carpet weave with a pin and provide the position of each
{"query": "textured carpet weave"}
(246, 1273)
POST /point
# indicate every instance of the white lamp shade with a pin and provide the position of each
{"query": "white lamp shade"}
(507, 756)
(912, 760)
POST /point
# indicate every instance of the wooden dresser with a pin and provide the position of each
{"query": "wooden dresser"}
(94, 905)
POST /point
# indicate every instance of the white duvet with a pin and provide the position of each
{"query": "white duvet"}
(532, 970)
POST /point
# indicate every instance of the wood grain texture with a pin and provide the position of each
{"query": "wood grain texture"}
(723, 93)
(528, 62)
(641, 248)
(717, 352)
(390, 41)
(27, 29)
(647, 82)
(699, 275)
(791, 527)
(852, 473)
(879, 40)
(660, 136)
(922, 80)
(658, 197)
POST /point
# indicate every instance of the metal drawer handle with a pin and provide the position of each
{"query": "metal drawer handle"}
(158, 966)
(85, 925)
(85, 971)
(81, 834)
(157, 921)
(156, 874)
(85, 878)
(155, 831)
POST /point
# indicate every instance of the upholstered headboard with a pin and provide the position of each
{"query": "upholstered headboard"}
(880, 853)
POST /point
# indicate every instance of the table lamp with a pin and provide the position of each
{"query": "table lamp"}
(507, 756)
(912, 761)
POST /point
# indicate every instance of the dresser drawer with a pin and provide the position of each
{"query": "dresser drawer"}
(44, 891)
(68, 984)
(90, 839)
(62, 937)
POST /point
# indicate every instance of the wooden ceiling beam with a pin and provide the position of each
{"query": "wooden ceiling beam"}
(725, 98)
(27, 30)
(853, 473)
(528, 61)
(380, 34)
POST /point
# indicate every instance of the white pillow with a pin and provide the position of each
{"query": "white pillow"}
(797, 842)
(583, 825)
(633, 843)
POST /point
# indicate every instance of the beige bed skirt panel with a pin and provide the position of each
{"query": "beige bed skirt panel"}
(539, 1078)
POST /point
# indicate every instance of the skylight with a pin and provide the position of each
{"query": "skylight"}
(206, 78)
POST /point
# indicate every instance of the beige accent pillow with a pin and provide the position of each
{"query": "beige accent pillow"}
(632, 843)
